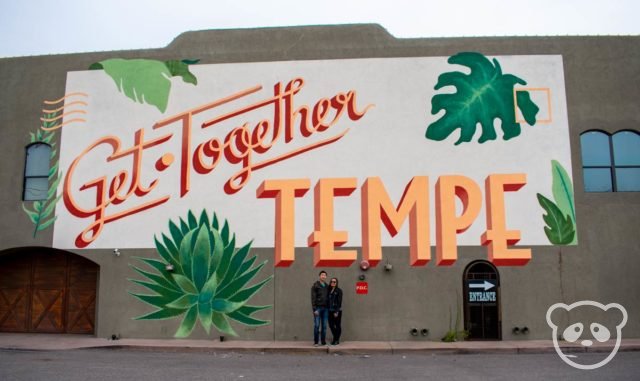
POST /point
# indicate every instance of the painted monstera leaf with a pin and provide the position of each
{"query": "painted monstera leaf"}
(146, 81)
(483, 95)
(202, 277)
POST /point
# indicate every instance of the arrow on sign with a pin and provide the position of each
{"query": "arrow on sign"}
(486, 285)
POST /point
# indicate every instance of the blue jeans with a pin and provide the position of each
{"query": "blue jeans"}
(321, 317)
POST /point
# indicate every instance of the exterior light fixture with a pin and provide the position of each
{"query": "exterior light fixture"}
(116, 252)
(424, 332)
(413, 331)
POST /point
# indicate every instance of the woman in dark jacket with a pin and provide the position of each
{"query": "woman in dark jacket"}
(335, 310)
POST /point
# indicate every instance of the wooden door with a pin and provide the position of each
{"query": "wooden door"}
(47, 291)
(15, 289)
(81, 296)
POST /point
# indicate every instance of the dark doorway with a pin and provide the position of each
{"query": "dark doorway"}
(47, 290)
(481, 284)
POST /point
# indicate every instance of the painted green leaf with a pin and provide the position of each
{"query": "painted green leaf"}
(217, 253)
(528, 108)
(188, 323)
(225, 261)
(146, 81)
(176, 233)
(481, 97)
(163, 314)
(559, 229)
(161, 267)
(51, 193)
(169, 293)
(46, 224)
(222, 324)
(186, 251)
(158, 279)
(184, 227)
(181, 69)
(154, 300)
(143, 81)
(236, 263)
(239, 282)
(246, 265)
(164, 253)
(205, 313)
(185, 301)
(193, 222)
(33, 216)
(200, 258)
(224, 233)
(562, 188)
(171, 248)
(250, 310)
(190, 62)
(185, 284)
(204, 219)
(53, 170)
(248, 292)
(50, 206)
(209, 289)
(247, 320)
(225, 306)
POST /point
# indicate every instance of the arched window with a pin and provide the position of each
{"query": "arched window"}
(611, 163)
(36, 172)
(626, 158)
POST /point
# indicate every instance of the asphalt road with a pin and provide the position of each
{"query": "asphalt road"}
(120, 364)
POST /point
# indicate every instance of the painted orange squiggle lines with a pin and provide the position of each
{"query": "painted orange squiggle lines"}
(55, 118)
(62, 107)
(65, 97)
(63, 115)
(58, 126)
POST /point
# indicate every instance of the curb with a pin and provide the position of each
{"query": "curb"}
(51, 343)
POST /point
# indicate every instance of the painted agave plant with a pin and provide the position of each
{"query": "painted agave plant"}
(202, 276)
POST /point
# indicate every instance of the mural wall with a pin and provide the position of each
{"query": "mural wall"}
(473, 149)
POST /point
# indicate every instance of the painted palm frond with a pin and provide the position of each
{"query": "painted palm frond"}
(201, 276)
(41, 212)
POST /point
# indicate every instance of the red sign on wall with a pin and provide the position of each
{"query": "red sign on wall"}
(362, 288)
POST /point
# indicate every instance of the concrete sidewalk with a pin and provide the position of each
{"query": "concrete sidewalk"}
(45, 342)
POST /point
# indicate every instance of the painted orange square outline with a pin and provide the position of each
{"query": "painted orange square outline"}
(515, 103)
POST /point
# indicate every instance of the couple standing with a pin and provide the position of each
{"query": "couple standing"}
(326, 301)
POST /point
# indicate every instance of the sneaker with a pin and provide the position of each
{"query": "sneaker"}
(315, 344)
(324, 343)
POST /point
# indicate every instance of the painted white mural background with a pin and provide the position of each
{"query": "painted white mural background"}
(387, 142)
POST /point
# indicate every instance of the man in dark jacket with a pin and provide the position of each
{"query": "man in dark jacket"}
(320, 304)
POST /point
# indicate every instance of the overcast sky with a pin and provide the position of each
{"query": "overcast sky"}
(36, 27)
